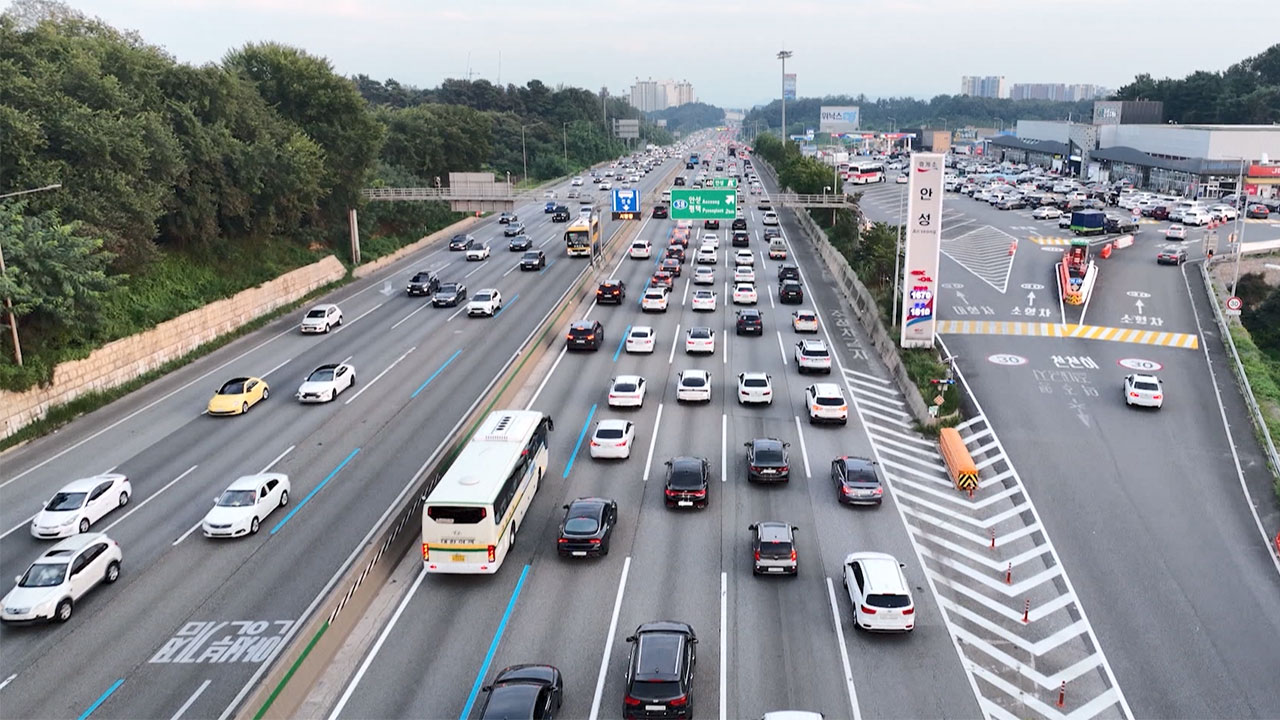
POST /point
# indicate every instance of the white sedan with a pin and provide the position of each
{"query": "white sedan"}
(1046, 212)
(1176, 232)
(700, 340)
(744, 294)
(640, 339)
(804, 321)
(693, 386)
(901, 180)
(706, 255)
(478, 251)
(627, 391)
(613, 439)
(704, 275)
(744, 274)
(325, 382)
(744, 257)
(242, 507)
(655, 299)
(1143, 390)
(704, 300)
(711, 239)
(80, 504)
(755, 387)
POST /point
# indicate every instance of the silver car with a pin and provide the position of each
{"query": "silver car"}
(773, 548)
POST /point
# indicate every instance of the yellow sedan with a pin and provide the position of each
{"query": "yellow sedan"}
(237, 395)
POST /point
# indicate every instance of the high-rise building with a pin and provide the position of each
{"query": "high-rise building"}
(649, 95)
(1056, 91)
(992, 86)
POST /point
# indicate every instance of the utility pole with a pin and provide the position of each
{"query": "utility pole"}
(783, 55)
(564, 130)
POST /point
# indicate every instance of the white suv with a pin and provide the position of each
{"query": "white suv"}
(49, 589)
(879, 592)
(655, 299)
(706, 255)
(321, 319)
(755, 387)
(485, 302)
(826, 403)
(813, 356)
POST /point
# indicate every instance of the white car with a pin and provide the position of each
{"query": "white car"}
(478, 251)
(606, 185)
(577, 181)
(641, 250)
(755, 387)
(640, 339)
(655, 299)
(50, 588)
(613, 439)
(813, 356)
(325, 382)
(1224, 212)
(901, 179)
(321, 319)
(1196, 216)
(706, 255)
(744, 294)
(1046, 212)
(744, 274)
(805, 321)
(693, 386)
(704, 275)
(699, 340)
(711, 239)
(704, 301)
(548, 194)
(684, 224)
(242, 507)
(744, 257)
(770, 218)
(879, 592)
(627, 391)
(485, 302)
(80, 504)
(1143, 390)
(1176, 231)
(826, 403)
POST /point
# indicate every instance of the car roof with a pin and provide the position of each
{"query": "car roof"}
(773, 531)
(612, 424)
(323, 306)
(251, 482)
(627, 378)
(813, 343)
(1147, 378)
(529, 672)
(71, 545)
(882, 572)
(666, 626)
(827, 389)
(767, 444)
(89, 483)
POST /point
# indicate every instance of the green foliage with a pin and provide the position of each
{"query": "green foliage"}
(689, 117)
(1263, 322)
(1263, 371)
(1248, 92)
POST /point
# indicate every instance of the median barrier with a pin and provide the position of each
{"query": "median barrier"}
(964, 474)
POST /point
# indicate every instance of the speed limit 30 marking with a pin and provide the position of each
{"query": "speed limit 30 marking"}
(1139, 364)
(1007, 359)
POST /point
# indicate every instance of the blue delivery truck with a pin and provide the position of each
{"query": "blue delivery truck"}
(1088, 222)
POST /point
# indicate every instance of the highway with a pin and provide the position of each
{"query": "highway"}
(1149, 510)
(186, 630)
(765, 643)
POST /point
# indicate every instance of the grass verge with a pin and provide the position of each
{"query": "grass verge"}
(1264, 378)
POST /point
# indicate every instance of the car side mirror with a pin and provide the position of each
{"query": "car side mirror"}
(565, 506)
(902, 565)
(631, 639)
(17, 579)
(746, 444)
(215, 500)
(486, 688)
(752, 526)
(786, 444)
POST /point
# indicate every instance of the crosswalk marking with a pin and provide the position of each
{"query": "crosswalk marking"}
(1186, 341)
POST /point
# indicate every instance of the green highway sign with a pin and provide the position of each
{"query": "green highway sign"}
(724, 182)
(704, 204)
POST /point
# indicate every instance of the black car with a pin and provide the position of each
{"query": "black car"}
(587, 527)
(790, 292)
(772, 231)
(513, 229)
(680, 179)
(711, 224)
(461, 242)
(533, 260)
(788, 272)
(660, 211)
(1114, 224)
(423, 282)
(519, 243)
(750, 322)
(686, 484)
(1256, 211)
(741, 238)
(586, 335)
(611, 291)
(739, 224)
(560, 214)
(671, 265)
(507, 217)
(674, 251)
(523, 691)
(856, 480)
(660, 671)
(449, 295)
(767, 460)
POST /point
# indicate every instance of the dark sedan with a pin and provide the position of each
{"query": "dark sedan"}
(767, 460)
(739, 224)
(513, 229)
(1171, 257)
(461, 242)
(561, 214)
(1257, 212)
(790, 293)
(523, 691)
(856, 481)
(660, 211)
(533, 260)
(449, 295)
(587, 527)
(711, 224)
(686, 484)
(750, 322)
(674, 251)
(671, 266)
(662, 278)
(520, 243)
(611, 291)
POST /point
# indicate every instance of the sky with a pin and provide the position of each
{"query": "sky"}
(726, 48)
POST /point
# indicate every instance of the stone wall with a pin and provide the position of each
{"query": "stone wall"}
(122, 360)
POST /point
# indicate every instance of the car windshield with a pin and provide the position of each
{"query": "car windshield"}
(609, 433)
(775, 549)
(321, 375)
(581, 525)
(482, 296)
(655, 690)
(693, 381)
(44, 575)
(686, 476)
(64, 501)
(755, 382)
(448, 289)
(237, 498)
(699, 333)
(624, 387)
(421, 278)
(316, 314)
(888, 600)
(235, 387)
(1145, 385)
(530, 256)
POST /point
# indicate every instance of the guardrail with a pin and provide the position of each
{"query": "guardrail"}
(826, 200)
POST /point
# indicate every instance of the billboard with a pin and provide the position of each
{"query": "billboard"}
(789, 86)
(626, 129)
(923, 243)
(838, 119)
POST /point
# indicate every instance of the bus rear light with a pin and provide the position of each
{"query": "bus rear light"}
(426, 551)
(492, 549)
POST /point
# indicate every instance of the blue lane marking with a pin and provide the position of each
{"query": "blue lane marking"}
(581, 436)
(504, 307)
(114, 686)
(312, 494)
(493, 646)
(544, 267)
(621, 342)
(439, 370)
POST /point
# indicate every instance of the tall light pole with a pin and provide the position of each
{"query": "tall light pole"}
(1239, 227)
(8, 301)
(783, 55)
(524, 152)
(564, 130)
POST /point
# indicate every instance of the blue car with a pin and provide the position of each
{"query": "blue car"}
(549, 208)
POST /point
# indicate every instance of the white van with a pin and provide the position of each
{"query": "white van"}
(666, 196)
(641, 249)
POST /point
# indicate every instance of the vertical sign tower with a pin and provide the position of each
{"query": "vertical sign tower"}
(923, 240)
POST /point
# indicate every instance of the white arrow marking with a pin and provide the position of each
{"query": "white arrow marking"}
(1138, 303)
(963, 299)
(1031, 298)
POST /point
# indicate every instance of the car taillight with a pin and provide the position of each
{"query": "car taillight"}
(757, 556)
(866, 610)
(670, 493)
(784, 468)
(817, 408)
(793, 554)
(595, 444)
(595, 541)
(680, 701)
(699, 493)
(492, 549)
(1133, 394)
(630, 701)
(426, 553)
(1155, 397)
(878, 491)
(563, 540)
(592, 336)
(909, 611)
(844, 408)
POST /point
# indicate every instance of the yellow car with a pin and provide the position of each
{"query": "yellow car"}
(237, 395)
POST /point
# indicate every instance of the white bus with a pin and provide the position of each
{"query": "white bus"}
(863, 173)
(472, 516)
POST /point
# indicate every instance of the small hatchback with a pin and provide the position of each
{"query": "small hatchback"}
(767, 460)
(773, 549)
(687, 483)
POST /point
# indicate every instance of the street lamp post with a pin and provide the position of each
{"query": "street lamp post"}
(897, 255)
(564, 130)
(783, 55)
(8, 301)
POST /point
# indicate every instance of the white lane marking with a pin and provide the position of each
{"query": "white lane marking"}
(348, 323)
(456, 313)
(7, 680)
(724, 645)
(545, 379)
(379, 376)
(724, 447)
(769, 288)
(191, 700)
(844, 651)
(590, 307)
(18, 527)
(608, 643)
(479, 267)
(674, 342)
(286, 362)
(276, 460)
(782, 348)
(804, 450)
(685, 298)
(187, 534)
(421, 307)
(146, 407)
(653, 441)
(724, 349)
(382, 638)
(150, 497)
(513, 269)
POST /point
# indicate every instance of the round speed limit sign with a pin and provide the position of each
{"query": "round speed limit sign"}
(1234, 303)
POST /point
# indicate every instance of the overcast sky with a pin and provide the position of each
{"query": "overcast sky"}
(726, 48)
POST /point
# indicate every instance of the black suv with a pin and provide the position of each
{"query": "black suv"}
(461, 242)
(533, 260)
(741, 238)
(686, 484)
(711, 224)
(790, 292)
(750, 322)
(739, 224)
(660, 211)
(767, 460)
(660, 671)
(856, 480)
(520, 242)
(587, 335)
(680, 180)
(423, 282)
(560, 214)
(788, 272)
(527, 691)
(611, 291)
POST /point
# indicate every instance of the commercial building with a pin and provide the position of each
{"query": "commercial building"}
(989, 86)
(649, 95)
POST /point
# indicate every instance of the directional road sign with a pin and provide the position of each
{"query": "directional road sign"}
(704, 204)
(724, 182)
(626, 201)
